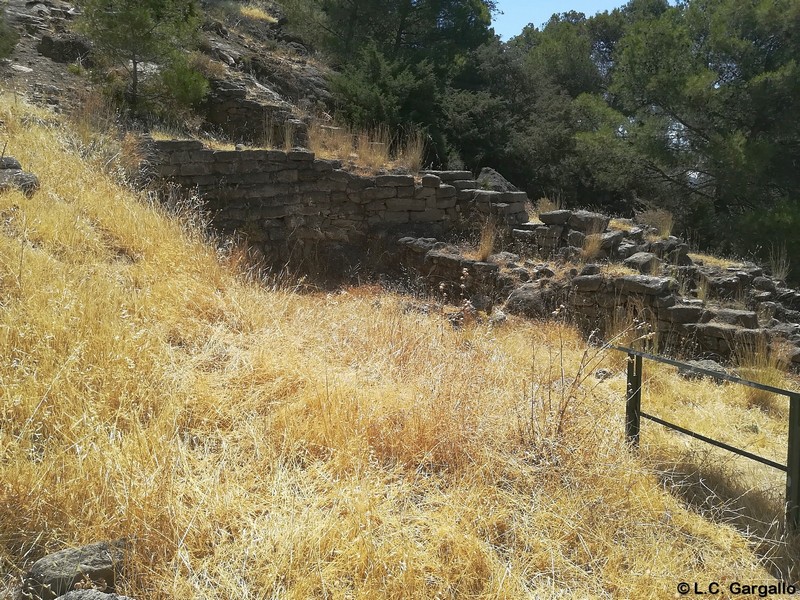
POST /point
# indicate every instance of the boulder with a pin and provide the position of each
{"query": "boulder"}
(432, 181)
(555, 217)
(683, 313)
(66, 48)
(764, 284)
(417, 245)
(611, 240)
(489, 179)
(708, 365)
(504, 258)
(587, 283)
(588, 222)
(743, 318)
(575, 238)
(535, 300)
(57, 573)
(645, 284)
(644, 262)
(17, 179)
(591, 269)
(9, 162)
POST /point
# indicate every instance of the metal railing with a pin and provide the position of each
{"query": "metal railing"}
(634, 415)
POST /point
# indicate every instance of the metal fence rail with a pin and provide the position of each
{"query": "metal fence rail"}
(634, 415)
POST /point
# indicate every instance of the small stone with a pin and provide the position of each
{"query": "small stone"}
(57, 573)
(603, 374)
(498, 318)
(91, 595)
(590, 269)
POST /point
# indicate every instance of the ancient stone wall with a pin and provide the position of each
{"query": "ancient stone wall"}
(505, 208)
(291, 204)
(644, 307)
(229, 109)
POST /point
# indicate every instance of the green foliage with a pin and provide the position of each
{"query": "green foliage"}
(438, 31)
(760, 232)
(185, 85)
(374, 89)
(130, 33)
(8, 36)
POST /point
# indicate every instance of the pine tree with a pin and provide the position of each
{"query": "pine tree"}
(129, 33)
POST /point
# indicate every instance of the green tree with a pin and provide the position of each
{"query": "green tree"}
(129, 33)
(702, 114)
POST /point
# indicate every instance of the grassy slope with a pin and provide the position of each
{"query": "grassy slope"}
(263, 443)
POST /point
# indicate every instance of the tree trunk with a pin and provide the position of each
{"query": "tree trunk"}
(134, 82)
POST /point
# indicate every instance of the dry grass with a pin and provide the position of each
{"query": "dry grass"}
(256, 12)
(545, 204)
(661, 220)
(371, 149)
(779, 265)
(621, 225)
(763, 364)
(592, 245)
(255, 442)
(207, 66)
(719, 484)
(488, 239)
(715, 261)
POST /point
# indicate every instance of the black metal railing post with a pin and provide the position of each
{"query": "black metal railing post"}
(634, 415)
(793, 466)
(633, 404)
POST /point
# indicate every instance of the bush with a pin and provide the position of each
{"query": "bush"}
(186, 86)
(779, 225)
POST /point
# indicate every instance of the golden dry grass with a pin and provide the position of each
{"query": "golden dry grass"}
(369, 149)
(659, 219)
(486, 243)
(255, 442)
(715, 261)
(256, 12)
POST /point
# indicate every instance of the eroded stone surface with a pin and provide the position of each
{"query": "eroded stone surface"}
(57, 573)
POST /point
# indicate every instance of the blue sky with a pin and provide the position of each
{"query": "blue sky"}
(518, 13)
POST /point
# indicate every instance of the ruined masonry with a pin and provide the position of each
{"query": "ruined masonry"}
(293, 205)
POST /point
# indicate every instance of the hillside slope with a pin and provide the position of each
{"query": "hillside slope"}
(262, 442)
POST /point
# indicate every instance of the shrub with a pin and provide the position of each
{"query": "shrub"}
(184, 84)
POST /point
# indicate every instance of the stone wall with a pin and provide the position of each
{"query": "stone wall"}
(293, 205)
(507, 209)
(230, 110)
(647, 306)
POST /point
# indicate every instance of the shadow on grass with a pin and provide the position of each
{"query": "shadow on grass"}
(744, 495)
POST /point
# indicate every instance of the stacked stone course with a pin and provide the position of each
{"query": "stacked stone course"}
(289, 202)
(601, 301)
(506, 208)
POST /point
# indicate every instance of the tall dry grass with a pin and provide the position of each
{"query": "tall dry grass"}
(255, 442)
(371, 149)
